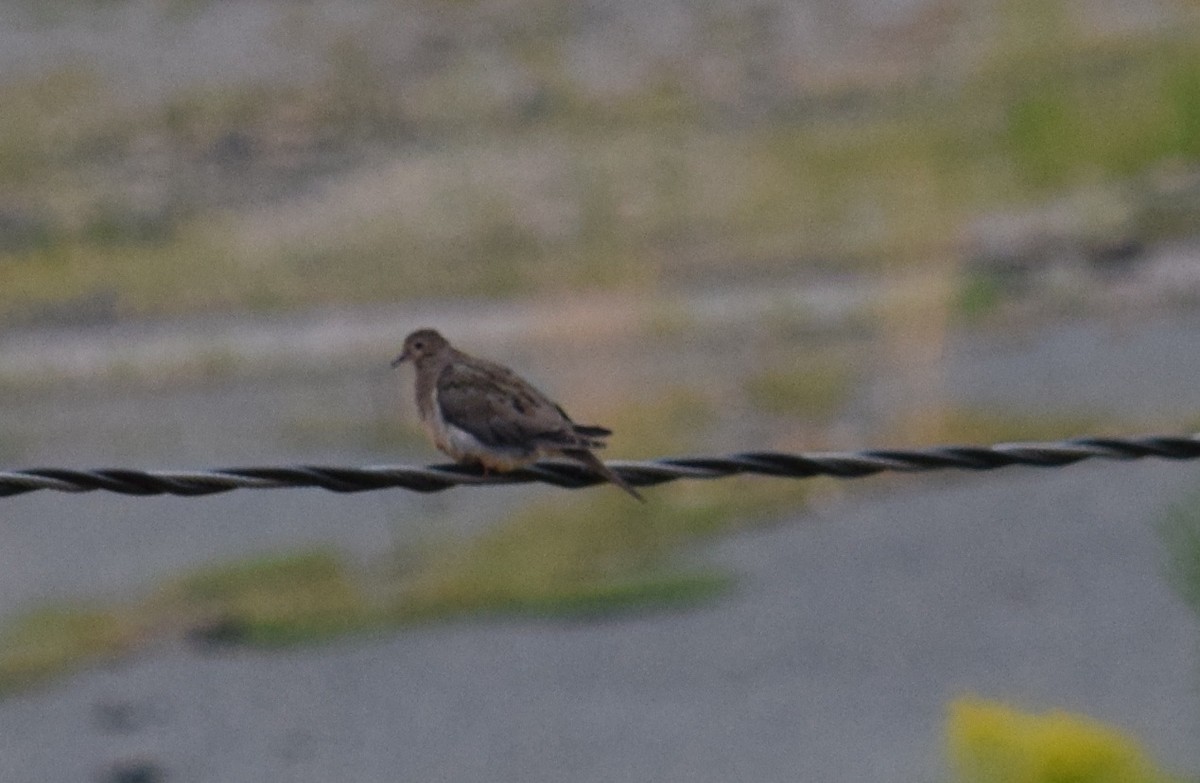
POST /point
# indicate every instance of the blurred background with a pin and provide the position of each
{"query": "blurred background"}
(714, 227)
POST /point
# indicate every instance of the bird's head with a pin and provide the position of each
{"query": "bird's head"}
(420, 344)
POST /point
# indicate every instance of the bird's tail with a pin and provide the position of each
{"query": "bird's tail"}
(592, 461)
(589, 436)
(591, 430)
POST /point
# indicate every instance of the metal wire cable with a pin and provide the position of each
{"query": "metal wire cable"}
(570, 475)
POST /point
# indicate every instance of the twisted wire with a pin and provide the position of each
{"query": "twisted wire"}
(570, 475)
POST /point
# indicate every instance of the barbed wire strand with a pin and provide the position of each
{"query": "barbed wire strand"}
(570, 475)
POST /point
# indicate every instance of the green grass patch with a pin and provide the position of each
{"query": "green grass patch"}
(979, 295)
(654, 592)
(591, 555)
(814, 387)
(600, 550)
(577, 190)
(1180, 533)
(47, 120)
(271, 600)
(674, 420)
(52, 640)
(190, 272)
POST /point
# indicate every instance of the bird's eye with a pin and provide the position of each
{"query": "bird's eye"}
(420, 346)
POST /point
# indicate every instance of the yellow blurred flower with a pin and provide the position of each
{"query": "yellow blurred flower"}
(989, 742)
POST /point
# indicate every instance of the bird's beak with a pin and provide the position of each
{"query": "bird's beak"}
(401, 359)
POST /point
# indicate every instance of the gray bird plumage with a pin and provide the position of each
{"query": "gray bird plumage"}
(481, 412)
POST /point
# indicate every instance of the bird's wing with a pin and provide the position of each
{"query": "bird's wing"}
(499, 409)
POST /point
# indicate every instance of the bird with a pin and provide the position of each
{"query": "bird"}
(480, 412)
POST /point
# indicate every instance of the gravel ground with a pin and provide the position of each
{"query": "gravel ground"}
(832, 661)
(851, 627)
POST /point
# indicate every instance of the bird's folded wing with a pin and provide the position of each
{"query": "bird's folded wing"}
(499, 409)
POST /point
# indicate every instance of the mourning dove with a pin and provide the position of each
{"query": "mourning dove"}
(482, 412)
